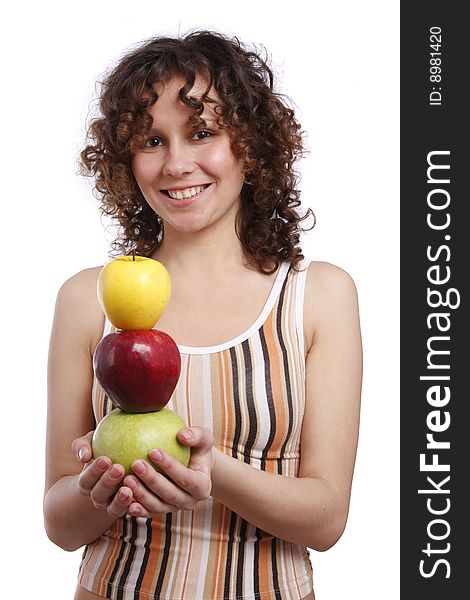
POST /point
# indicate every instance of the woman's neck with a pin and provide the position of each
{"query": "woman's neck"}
(200, 254)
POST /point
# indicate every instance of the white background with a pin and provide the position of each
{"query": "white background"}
(339, 64)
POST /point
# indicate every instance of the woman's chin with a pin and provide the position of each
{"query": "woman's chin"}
(187, 226)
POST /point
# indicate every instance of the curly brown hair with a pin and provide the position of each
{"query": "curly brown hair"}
(264, 134)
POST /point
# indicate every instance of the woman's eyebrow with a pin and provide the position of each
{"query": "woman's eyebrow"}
(156, 130)
(206, 120)
(208, 117)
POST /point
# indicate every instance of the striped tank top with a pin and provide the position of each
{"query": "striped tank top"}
(250, 392)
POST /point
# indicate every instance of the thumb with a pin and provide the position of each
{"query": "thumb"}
(81, 447)
(198, 438)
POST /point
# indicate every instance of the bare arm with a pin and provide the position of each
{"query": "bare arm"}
(71, 516)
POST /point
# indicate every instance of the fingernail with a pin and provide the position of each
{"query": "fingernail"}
(115, 472)
(123, 495)
(187, 434)
(139, 467)
(131, 482)
(101, 462)
(157, 455)
(81, 452)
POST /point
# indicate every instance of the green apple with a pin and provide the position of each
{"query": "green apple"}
(126, 437)
(133, 291)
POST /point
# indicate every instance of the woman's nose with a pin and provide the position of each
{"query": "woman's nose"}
(178, 160)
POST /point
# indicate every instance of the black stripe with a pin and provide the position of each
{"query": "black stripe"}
(241, 559)
(228, 564)
(274, 543)
(145, 559)
(269, 398)
(286, 373)
(109, 587)
(252, 417)
(166, 554)
(130, 559)
(236, 403)
(256, 564)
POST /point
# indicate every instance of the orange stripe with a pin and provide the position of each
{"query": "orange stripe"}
(188, 559)
(264, 564)
(222, 549)
(228, 402)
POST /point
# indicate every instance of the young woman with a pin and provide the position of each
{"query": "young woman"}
(193, 155)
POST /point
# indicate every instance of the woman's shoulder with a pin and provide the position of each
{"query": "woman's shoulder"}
(330, 297)
(328, 278)
(77, 303)
(81, 287)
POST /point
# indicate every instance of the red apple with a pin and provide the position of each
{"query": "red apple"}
(138, 369)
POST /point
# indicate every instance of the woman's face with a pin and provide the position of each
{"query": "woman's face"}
(190, 177)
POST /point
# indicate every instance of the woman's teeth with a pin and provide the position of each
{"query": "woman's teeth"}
(186, 193)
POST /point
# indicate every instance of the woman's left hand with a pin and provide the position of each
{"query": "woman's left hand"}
(155, 494)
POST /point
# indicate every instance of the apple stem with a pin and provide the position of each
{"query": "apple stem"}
(133, 255)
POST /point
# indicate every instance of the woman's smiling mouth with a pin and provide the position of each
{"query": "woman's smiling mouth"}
(186, 193)
(182, 197)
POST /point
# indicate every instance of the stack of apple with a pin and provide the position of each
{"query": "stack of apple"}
(137, 366)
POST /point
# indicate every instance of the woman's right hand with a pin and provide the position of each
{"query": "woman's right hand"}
(100, 480)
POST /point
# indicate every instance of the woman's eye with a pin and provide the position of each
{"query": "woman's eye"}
(202, 135)
(153, 142)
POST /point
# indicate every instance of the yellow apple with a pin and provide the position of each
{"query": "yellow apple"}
(125, 437)
(133, 291)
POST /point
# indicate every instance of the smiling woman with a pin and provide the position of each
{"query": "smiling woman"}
(225, 91)
(193, 155)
